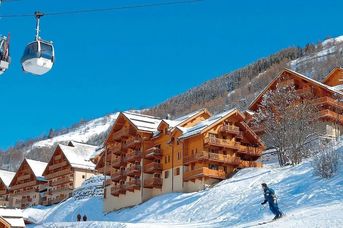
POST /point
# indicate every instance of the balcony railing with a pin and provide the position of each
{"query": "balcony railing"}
(133, 185)
(59, 189)
(213, 141)
(118, 189)
(153, 153)
(328, 101)
(331, 115)
(204, 172)
(153, 167)
(24, 177)
(134, 170)
(58, 165)
(285, 83)
(115, 148)
(63, 180)
(247, 164)
(249, 150)
(213, 157)
(230, 129)
(23, 185)
(306, 91)
(131, 142)
(117, 176)
(133, 155)
(3, 192)
(59, 173)
(119, 162)
(121, 133)
(154, 182)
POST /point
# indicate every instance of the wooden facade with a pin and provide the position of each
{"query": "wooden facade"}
(146, 156)
(5, 180)
(327, 99)
(28, 185)
(68, 167)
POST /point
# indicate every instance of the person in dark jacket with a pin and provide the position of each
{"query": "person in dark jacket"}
(270, 197)
(84, 218)
(78, 217)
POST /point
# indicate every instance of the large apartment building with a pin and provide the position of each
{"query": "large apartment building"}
(28, 186)
(146, 156)
(327, 96)
(68, 167)
(5, 180)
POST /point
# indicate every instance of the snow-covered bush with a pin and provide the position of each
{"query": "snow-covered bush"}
(325, 162)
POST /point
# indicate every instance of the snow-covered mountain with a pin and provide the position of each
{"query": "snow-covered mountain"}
(305, 199)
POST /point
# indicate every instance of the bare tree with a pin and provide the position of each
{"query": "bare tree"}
(289, 123)
(326, 161)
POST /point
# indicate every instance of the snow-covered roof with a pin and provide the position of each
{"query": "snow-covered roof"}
(78, 157)
(196, 129)
(97, 152)
(12, 216)
(6, 177)
(183, 118)
(143, 122)
(37, 167)
(338, 87)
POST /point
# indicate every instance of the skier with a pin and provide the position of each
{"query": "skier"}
(270, 197)
(84, 218)
(78, 217)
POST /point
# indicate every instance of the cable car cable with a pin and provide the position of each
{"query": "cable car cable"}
(85, 11)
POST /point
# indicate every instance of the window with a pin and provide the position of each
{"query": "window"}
(165, 159)
(168, 158)
(83, 176)
(177, 171)
(178, 155)
(166, 174)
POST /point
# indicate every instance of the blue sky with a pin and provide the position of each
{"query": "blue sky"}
(137, 58)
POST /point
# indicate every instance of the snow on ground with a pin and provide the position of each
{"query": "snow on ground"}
(307, 201)
(82, 133)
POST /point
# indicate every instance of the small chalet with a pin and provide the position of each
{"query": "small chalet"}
(5, 180)
(68, 167)
(28, 186)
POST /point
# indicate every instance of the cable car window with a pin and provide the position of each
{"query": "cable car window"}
(46, 50)
(31, 51)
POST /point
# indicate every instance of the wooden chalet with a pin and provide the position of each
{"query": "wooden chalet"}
(327, 97)
(5, 180)
(68, 167)
(28, 186)
(214, 148)
(11, 218)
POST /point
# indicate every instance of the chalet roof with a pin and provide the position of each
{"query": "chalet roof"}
(327, 77)
(37, 167)
(143, 122)
(78, 157)
(310, 80)
(83, 145)
(198, 128)
(97, 152)
(6, 177)
(14, 217)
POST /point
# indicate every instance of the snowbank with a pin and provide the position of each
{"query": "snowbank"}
(307, 201)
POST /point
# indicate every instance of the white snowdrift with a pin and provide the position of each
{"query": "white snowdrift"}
(307, 201)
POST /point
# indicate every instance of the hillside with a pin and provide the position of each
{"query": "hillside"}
(235, 89)
(307, 201)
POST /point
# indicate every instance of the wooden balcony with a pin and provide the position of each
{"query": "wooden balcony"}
(133, 185)
(303, 92)
(247, 164)
(204, 172)
(133, 155)
(118, 176)
(211, 157)
(134, 170)
(59, 173)
(229, 129)
(3, 192)
(115, 148)
(60, 189)
(23, 185)
(249, 150)
(119, 162)
(63, 180)
(153, 167)
(213, 141)
(154, 182)
(285, 83)
(118, 189)
(124, 132)
(132, 142)
(58, 165)
(328, 101)
(24, 177)
(153, 153)
(331, 115)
